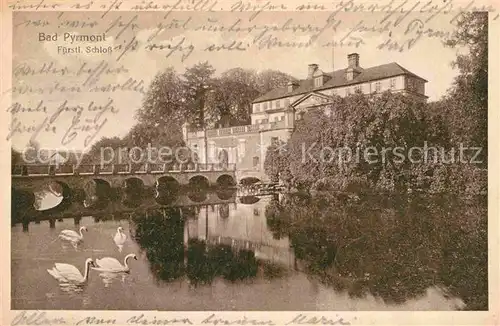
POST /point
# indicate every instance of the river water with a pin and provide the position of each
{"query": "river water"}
(271, 252)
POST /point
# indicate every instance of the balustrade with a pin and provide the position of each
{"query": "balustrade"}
(122, 168)
(212, 133)
(86, 169)
(156, 167)
(106, 169)
(225, 131)
(96, 169)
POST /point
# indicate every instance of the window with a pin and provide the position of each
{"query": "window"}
(393, 83)
(419, 86)
(257, 108)
(278, 104)
(256, 212)
(378, 87)
(318, 81)
(357, 88)
(274, 140)
(350, 75)
(264, 106)
(282, 118)
(287, 102)
(275, 119)
(347, 91)
(255, 161)
(411, 84)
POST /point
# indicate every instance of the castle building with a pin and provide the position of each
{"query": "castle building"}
(274, 113)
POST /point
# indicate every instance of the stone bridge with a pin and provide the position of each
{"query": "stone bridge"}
(32, 177)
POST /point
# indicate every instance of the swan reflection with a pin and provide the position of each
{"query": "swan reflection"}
(108, 277)
(120, 238)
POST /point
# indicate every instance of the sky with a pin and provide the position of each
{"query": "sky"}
(84, 117)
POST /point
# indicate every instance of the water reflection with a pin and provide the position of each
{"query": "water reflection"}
(279, 252)
(161, 235)
(394, 252)
(108, 278)
(47, 199)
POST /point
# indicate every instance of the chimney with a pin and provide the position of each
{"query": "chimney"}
(353, 60)
(312, 69)
(292, 85)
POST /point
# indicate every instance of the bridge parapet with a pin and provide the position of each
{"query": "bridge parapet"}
(19, 171)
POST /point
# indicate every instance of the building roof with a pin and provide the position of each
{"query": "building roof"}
(338, 79)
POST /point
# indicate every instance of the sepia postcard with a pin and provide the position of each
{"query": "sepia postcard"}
(228, 162)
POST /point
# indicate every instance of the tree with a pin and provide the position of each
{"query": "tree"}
(336, 144)
(33, 153)
(467, 101)
(160, 118)
(268, 80)
(165, 101)
(276, 162)
(103, 147)
(15, 157)
(198, 83)
(220, 104)
(230, 102)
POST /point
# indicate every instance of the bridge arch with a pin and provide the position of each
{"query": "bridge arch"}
(21, 200)
(226, 180)
(199, 181)
(133, 183)
(167, 190)
(54, 195)
(133, 192)
(63, 190)
(249, 200)
(249, 181)
(225, 194)
(168, 183)
(97, 192)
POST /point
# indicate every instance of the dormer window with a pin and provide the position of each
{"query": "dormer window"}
(350, 75)
(318, 81)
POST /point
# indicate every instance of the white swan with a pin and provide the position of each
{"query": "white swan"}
(71, 235)
(66, 273)
(108, 264)
(120, 238)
